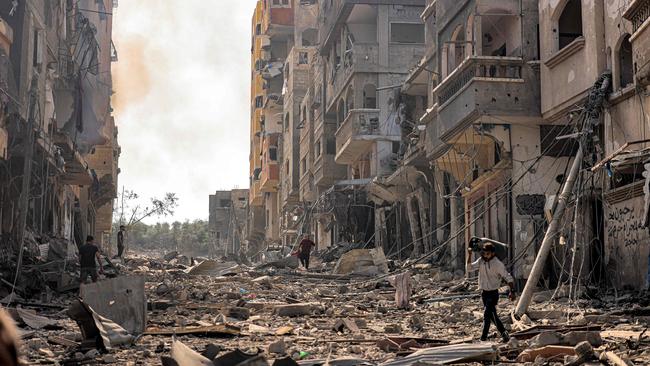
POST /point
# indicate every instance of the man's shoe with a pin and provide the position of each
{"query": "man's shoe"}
(506, 337)
(483, 338)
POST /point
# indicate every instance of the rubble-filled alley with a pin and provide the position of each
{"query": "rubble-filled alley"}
(415, 182)
(224, 313)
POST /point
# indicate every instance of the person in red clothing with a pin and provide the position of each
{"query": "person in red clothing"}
(304, 250)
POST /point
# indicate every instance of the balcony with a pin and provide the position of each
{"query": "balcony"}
(638, 13)
(500, 87)
(326, 171)
(269, 177)
(357, 134)
(255, 195)
(362, 57)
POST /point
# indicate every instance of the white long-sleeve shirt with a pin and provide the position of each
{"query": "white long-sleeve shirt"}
(490, 273)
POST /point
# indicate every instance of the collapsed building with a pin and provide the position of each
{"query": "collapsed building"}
(227, 221)
(58, 137)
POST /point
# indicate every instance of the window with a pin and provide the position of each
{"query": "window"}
(317, 147)
(369, 96)
(570, 23)
(407, 33)
(259, 65)
(37, 57)
(280, 4)
(259, 101)
(349, 100)
(273, 153)
(258, 29)
(303, 58)
(224, 203)
(341, 112)
(303, 166)
(625, 63)
(286, 122)
(330, 148)
(310, 37)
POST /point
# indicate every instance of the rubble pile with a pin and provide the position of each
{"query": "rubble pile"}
(224, 313)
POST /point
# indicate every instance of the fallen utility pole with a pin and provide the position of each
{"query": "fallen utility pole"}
(592, 110)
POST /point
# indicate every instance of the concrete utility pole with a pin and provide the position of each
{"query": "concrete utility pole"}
(593, 113)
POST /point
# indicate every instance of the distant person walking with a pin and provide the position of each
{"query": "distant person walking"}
(491, 273)
(304, 250)
(88, 259)
(120, 241)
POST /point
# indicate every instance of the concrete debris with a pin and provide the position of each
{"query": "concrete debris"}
(368, 262)
(277, 316)
(444, 355)
(550, 353)
(120, 299)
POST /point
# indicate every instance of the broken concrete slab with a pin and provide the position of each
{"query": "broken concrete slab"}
(121, 299)
(35, 321)
(342, 324)
(555, 353)
(292, 310)
(219, 330)
(368, 262)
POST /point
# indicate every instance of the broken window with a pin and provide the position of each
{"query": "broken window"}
(369, 96)
(259, 101)
(570, 23)
(625, 63)
(407, 33)
(309, 37)
(303, 58)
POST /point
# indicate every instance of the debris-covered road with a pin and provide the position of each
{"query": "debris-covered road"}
(231, 312)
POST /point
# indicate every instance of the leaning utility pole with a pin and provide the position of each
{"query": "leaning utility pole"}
(592, 110)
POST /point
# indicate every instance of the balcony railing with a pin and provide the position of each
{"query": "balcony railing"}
(486, 67)
(638, 12)
(357, 132)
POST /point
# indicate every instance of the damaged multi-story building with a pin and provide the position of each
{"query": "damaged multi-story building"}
(423, 124)
(227, 221)
(59, 139)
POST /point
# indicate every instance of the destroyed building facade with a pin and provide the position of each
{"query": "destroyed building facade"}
(227, 221)
(59, 140)
(417, 125)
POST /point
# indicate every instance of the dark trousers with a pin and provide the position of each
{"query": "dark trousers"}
(88, 271)
(304, 260)
(490, 301)
(120, 250)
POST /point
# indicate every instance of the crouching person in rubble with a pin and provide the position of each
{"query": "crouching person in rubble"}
(491, 271)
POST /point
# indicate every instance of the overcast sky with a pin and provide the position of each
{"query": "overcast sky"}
(182, 98)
